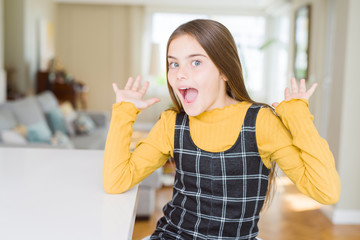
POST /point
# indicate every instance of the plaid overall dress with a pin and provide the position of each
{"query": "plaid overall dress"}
(217, 195)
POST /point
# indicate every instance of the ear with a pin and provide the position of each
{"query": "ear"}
(223, 77)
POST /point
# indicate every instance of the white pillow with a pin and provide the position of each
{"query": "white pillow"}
(13, 137)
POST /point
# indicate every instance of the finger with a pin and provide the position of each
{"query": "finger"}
(129, 83)
(302, 85)
(311, 90)
(287, 93)
(144, 88)
(275, 104)
(136, 84)
(115, 87)
(294, 86)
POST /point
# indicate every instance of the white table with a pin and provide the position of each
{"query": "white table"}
(58, 194)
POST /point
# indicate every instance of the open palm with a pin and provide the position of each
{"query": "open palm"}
(297, 92)
(131, 93)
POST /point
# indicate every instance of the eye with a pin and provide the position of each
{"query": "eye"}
(195, 63)
(173, 65)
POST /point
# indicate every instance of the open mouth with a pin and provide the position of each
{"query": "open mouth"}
(189, 94)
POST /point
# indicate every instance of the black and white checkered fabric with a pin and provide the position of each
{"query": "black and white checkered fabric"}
(217, 195)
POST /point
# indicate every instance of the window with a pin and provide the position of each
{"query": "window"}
(248, 33)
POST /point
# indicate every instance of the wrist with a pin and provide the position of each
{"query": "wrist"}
(296, 116)
(125, 106)
(298, 107)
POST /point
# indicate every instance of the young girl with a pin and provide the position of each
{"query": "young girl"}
(223, 143)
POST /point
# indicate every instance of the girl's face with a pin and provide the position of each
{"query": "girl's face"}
(194, 78)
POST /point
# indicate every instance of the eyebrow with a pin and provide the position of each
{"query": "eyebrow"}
(190, 56)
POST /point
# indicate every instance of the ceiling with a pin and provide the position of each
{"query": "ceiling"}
(238, 4)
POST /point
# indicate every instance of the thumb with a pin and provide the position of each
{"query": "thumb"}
(275, 104)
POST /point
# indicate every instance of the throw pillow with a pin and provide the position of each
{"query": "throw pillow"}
(61, 139)
(84, 124)
(70, 116)
(12, 137)
(38, 132)
(56, 121)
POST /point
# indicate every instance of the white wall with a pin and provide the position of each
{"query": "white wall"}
(2, 72)
(347, 73)
(35, 11)
(316, 53)
(334, 51)
(22, 38)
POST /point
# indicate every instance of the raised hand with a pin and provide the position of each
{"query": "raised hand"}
(296, 92)
(131, 94)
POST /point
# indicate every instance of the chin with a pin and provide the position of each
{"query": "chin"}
(192, 112)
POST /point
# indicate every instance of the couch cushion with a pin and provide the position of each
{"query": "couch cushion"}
(27, 111)
(47, 101)
(94, 140)
(7, 118)
(29, 114)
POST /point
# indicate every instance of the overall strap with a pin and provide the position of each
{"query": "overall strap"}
(248, 127)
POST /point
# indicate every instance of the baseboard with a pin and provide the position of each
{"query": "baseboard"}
(350, 217)
(328, 211)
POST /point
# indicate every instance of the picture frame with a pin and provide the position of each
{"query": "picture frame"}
(302, 42)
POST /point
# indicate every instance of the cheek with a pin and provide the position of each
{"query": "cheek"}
(171, 78)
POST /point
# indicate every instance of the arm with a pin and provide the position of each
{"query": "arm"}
(300, 152)
(123, 169)
(293, 142)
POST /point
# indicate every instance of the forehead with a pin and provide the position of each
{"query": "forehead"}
(185, 45)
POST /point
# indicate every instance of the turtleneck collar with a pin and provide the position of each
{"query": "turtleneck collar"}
(219, 114)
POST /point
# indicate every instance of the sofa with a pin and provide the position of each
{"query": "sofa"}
(39, 121)
(46, 126)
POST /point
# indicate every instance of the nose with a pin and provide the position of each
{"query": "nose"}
(182, 73)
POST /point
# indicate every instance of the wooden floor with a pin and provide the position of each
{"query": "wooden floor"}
(291, 216)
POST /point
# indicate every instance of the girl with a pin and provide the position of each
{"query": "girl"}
(223, 142)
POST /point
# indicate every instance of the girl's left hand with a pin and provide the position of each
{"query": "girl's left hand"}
(297, 93)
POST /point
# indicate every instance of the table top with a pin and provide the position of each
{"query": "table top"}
(58, 194)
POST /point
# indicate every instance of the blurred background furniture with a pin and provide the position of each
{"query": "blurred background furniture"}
(147, 195)
(35, 114)
(46, 126)
(148, 187)
(64, 87)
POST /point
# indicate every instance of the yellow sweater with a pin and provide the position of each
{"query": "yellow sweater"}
(291, 140)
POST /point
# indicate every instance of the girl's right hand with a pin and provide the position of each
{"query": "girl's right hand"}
(131, 94)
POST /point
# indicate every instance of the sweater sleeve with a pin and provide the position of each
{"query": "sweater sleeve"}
(123, 169)
(292, 141)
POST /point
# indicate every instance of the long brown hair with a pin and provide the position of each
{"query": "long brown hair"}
(220, 46)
